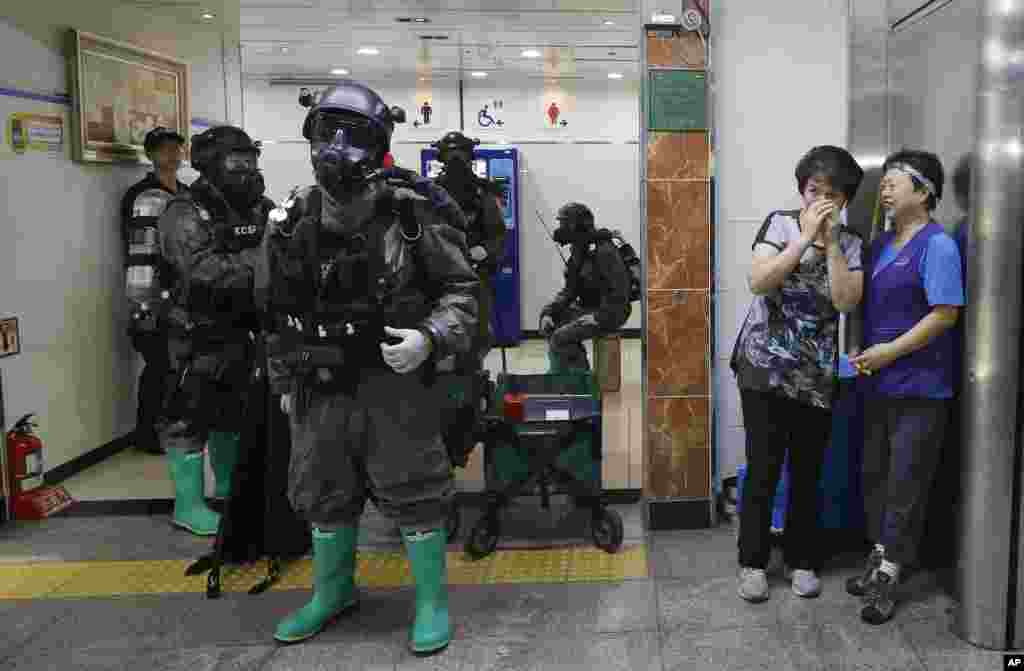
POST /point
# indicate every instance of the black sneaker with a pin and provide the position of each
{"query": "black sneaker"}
(879, 603)
(858, 585)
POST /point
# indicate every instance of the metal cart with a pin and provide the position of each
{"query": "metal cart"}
(543, 420)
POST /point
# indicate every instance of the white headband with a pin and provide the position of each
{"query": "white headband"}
(910, 170)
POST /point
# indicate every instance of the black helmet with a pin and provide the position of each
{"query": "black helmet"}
(158, 136)
(454, 142)
(355, 98)
(215, 143)
(575, 214)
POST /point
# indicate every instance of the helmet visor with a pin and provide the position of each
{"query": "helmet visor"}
(241, 160)
(349, 130)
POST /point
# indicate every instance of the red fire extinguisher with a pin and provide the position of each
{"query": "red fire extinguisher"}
(29, 498)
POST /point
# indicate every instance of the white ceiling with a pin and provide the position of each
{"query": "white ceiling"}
(306, 39)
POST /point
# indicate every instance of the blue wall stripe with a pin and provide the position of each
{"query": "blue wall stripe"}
(64, 99)
(60, 99)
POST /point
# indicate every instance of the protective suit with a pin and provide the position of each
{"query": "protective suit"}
(212, 239)
(596, 296)
(370, 289)
(480, 200)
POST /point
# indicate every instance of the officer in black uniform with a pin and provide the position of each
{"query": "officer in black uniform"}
(212, 238)
(480, 200)
(141, 208)
(371, 287)
(596, 296)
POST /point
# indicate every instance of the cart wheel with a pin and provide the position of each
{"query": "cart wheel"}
(607, 530)
(483, 540)
(453, 522)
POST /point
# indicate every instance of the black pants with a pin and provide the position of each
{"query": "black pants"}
(206, 391)
(775, 424)
(903, 441)
(156, 366)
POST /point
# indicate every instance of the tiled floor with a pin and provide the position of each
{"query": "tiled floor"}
(685, 615)
(134, 475)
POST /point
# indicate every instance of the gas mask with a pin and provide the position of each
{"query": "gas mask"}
(457, 162)
(345, 150)
(460, 179)
(241, 180)
(566, 233)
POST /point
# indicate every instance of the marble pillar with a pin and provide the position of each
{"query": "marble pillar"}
(678, 240)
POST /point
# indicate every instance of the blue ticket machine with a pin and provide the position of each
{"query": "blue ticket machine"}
(502, 166)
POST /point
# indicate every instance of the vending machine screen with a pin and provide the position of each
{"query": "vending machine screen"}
(503, 183)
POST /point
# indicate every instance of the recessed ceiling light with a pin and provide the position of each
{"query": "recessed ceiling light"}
(531, 53)
(368, 51)
(478, 75)
(207, 15)
(421, 19)
(609, 23)
(339, 71)
(284, 50)
(614, 75)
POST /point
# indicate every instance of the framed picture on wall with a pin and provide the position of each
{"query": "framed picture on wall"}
(10, 340)
(120, 92)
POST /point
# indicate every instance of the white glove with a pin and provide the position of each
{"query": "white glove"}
(478, 253)
(408, 355)
(547, 325)
(286, 404)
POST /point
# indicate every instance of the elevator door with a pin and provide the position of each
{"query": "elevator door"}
(933, 76)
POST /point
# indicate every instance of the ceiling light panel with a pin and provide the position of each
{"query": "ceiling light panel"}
(566, 36)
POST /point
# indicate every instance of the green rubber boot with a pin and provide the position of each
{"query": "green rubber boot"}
(223, 449)
(190, 510)
(431, 631)
(334, 585)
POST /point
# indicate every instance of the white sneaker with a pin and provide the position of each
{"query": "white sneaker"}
(753, 585)
(806, 584)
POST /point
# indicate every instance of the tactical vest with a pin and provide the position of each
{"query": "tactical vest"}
(470, 200)
(147, 274)
(335, 291)
(232, 233)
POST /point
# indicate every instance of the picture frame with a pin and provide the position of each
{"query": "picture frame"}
(10, 337)
(119, 93)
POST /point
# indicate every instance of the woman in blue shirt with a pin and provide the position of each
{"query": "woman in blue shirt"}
(913, 292)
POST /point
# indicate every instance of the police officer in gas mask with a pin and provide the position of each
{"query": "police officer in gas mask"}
(212, 239)
(480, 200)
(596, 296)
(370, 287)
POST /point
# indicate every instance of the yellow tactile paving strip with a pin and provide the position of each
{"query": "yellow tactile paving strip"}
(376, 569)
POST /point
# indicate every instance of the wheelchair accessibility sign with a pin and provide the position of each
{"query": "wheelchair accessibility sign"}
(485, 119)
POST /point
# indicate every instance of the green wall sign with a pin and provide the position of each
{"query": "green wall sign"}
(677, 100)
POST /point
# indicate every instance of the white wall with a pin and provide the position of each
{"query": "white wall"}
(780, 78)
(60, 249)
(555, 168)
